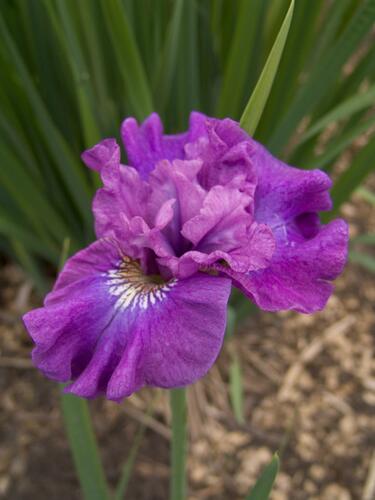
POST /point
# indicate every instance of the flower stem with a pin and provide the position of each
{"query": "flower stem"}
(179, 444)
(84, 448)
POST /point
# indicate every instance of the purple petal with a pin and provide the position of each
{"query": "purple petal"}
(106, 153)
(300, 274)
(176, 181)
(222, 221)
(118, 202)
(146, 145)
(256, 253)
(284, 192)
(111, 330)
(226, 151)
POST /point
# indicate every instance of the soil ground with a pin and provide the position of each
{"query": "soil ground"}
(309, 390)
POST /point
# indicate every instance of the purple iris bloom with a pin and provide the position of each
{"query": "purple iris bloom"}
(191, 215)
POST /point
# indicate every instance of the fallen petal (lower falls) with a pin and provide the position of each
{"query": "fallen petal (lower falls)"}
(109, 329)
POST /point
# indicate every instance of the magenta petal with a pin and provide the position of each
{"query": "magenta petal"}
(299, 276)
(119, 201)
(255, 254)
(110, 329)
(222, 221)
(226, 151)
(176, 181)
(87, 263)
(182, 337)
(107, 152)
(146, 145)
(284, 192)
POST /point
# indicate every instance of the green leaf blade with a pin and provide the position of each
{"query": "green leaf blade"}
(263, 486)
(235, 371)
(84, 448)
(178, 444)
(343, 111)
(363, 164)
(316, 88)
(167, 61)
(130, 64)
(364, 260)
(255, 106)
(239, 59)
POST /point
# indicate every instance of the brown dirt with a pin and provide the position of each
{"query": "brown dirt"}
(309, 387)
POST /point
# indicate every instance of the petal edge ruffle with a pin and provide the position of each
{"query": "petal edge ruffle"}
(110, 330)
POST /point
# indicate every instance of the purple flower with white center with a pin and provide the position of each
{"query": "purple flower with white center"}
(193, 214)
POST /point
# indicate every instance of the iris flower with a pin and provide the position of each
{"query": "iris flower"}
(189, 216)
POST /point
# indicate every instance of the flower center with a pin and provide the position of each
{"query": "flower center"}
(134, 288)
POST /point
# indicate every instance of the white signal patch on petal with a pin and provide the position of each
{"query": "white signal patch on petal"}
(134, 288)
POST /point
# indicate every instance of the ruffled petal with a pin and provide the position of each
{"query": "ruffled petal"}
(112, 330)
(118, 202)
(176, 181)
(300, 274)
(226, 151)
(146, 145)
(284, 193)
(222, 221)
(256, 253)
(105, 153)
(123, 195)
(223, 230)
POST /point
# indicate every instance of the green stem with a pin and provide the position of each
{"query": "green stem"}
(179, 444)
(84, 448)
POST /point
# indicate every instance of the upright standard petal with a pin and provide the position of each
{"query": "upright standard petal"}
(146, 144)
(111, 329)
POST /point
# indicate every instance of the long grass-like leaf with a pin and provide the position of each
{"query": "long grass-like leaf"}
(185, 97)
(330, 66)
(167, 59)
(263, 486)
(31, 266)
(338, 144)
(128, 467)
(253, 111)
(70, 169)
(362, 165)
(178, 444)
(333, 19)
(69, 40)
(223, 20)
(296, 55)
(366, 239)
(365, 260)
(341, 112)
(367, 195)
(26, 193)
(83, 445)
(235, 372)
(29, 241)
(122, 486)
(129, 62)
(93, 39)
(239, 59)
